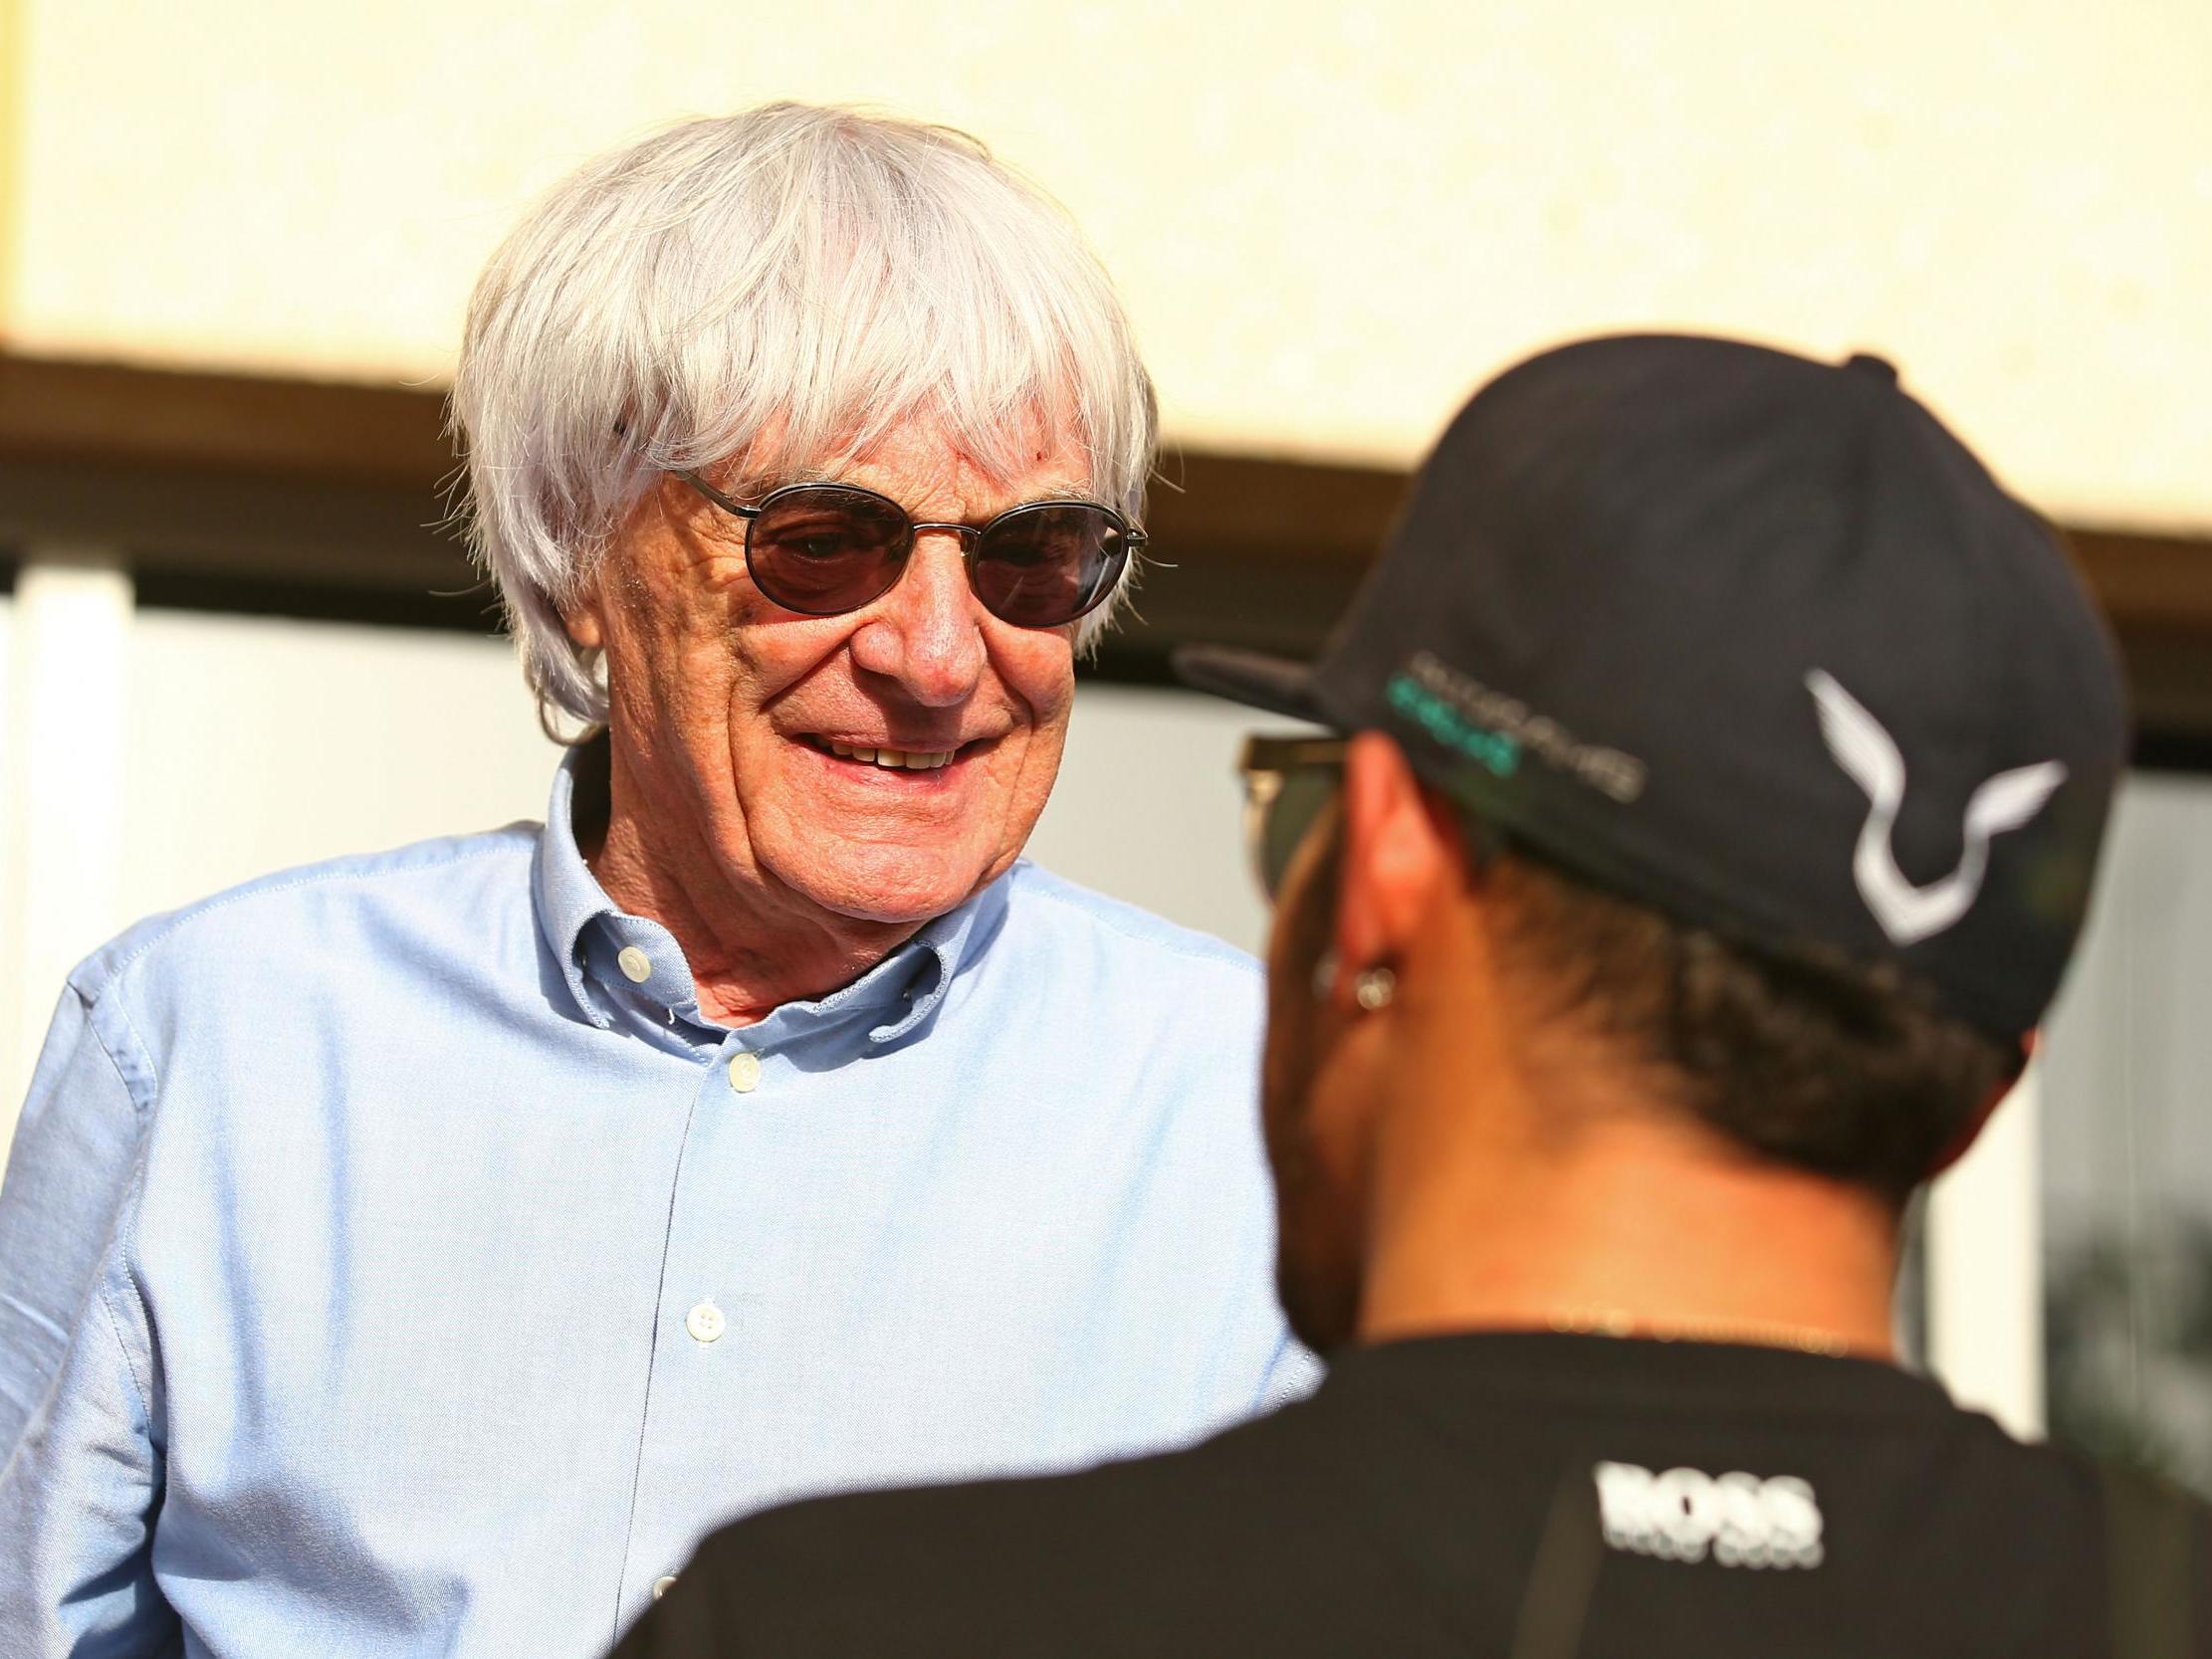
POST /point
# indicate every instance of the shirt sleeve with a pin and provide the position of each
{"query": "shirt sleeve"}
(1292, 1374)
(694, 1622)
(80, 1469)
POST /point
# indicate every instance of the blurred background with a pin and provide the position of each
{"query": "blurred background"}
(236, 240)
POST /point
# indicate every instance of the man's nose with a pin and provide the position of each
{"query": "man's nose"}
(927, 632)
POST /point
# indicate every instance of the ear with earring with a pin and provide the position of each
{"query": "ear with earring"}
(1374, 989)
(1371, 989)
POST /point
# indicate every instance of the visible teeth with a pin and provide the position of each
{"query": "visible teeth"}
(893, 759)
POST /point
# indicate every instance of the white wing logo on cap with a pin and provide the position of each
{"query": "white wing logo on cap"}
(1869, 755)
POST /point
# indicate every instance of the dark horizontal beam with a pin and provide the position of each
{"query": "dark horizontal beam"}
(237, 424)
(241, 490)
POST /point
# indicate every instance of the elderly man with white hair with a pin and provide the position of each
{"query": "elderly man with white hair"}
(416, 1253)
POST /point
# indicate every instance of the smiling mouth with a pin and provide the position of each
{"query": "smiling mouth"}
(885, 758)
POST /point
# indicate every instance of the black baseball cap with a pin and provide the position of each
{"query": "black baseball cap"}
(1753, 640)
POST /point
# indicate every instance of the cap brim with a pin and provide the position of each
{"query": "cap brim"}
(1276, 683)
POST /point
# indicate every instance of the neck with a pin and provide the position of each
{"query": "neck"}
(752, 942)
(1508, 1196)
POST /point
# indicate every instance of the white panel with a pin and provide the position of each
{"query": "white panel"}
(70, 690)
(2127, 1068)
(2113, 1164)
(1984, 1247)
(274, 742)
(1149, 808)
(2128, 1143)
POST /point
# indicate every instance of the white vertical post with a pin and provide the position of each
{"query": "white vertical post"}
(1985, 1269)
(67, 702)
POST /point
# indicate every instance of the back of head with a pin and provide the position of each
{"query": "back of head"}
(1784, 739)
(1724, 758)
(794, 280)
(1843, 1069)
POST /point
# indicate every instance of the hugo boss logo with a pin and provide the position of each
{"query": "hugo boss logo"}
(1686, 1515)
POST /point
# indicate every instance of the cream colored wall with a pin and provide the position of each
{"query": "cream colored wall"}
(1330, 219)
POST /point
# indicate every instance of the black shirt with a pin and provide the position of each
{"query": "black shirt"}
(1510, 1495)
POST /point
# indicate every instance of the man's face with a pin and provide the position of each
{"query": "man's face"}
(1306, 1114)
(730, 711)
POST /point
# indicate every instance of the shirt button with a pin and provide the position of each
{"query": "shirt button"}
(705, 1322)
(745, 1071)
(636, 966)
(662, 1586)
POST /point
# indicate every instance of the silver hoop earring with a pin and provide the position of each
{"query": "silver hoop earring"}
(1372, 989)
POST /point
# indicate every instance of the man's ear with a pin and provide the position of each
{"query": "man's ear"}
(1971, 1130)
(580, 616)
(1399, 855)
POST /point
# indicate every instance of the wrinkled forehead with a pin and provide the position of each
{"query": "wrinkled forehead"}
(927, 451)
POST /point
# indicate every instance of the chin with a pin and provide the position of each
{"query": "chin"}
(892, 885)
(1320, 1301)
(1318, 1269)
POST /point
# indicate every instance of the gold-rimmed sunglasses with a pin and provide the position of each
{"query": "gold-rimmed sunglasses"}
(1289, 784)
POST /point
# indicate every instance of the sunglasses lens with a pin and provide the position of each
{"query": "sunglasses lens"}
(1288, 818)
(1040, 566)
(823, 548)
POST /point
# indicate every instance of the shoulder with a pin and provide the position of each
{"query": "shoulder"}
(1144, 986)
(317, 909)
(1055, 906)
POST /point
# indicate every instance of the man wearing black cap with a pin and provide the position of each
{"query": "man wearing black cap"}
(1721, 760)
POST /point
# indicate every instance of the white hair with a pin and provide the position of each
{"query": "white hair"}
(812, 277)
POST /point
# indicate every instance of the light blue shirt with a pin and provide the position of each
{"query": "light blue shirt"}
(394, 1262)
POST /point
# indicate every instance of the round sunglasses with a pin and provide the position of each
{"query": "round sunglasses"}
(824, 550)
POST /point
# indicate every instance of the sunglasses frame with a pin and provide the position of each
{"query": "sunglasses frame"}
(1133, 540)
(1266, 766)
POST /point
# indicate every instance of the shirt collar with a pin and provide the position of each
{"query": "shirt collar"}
(600, 947)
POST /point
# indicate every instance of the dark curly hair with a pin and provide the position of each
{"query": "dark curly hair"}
(1847, 1070)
